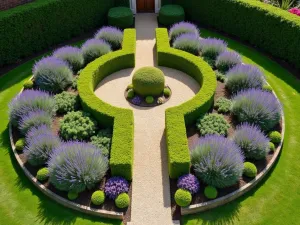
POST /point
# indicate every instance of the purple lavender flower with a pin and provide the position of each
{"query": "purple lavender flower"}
(36, 131)
(95, 48)
(187, 42)
(252, 141)
(188, 182)
(137, 100)
(115, 186)
(75, 166)
(71, 55)
(212, 47)
(217, 161)
(257, 107)
(183, 28)
(112, 35)
(227, 60)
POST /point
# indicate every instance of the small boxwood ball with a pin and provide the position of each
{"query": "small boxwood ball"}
(250, 170)
(98, 197)
(183, 197)
(20, 144)
(122, 201)
(28, 84)
(275, 137)
(148, 81)
(272, 147)
(149, 99)
(167, 92)
(72, 195)
(130, 93)
(42, 174)
(210, 192)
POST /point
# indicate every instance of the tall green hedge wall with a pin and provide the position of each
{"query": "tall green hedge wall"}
(38, 25)
(269, 28)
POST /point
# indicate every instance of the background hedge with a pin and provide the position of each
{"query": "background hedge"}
(36, 26)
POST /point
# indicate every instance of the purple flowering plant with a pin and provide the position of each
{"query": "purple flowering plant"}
(187, 42)
(189, 182)
(226, 60)
(115, 186)
(113, 35)
(94, 48)
(212, 47)
(71, 55)
(183, 28)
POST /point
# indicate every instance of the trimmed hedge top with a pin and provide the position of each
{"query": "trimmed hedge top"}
(121, 17)
(170, 14)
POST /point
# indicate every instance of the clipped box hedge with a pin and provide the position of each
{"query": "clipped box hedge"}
(36, 26)
(269, 28)
(121, 158)
(187, 113)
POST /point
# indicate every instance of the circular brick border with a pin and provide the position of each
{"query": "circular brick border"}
(234, 195)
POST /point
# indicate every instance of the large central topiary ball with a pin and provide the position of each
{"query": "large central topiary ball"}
(148, 81)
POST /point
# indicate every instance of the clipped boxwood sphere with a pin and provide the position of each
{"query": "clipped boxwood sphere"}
(42, 174)
(250, 170)
(183, 197)
(149, 99)
(130, 93)
(170, 14)
(122, 201)
(20, 144)
(275, 137)
(72, 195)
(98, 197)
(167, 92)
(272, 147)
(121, 17)
(148, 81)
(28, 84)
(210, 192)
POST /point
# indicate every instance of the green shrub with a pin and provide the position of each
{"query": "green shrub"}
(183, 197)
(20, 144)
(220, 76)
(77, 126)
(170, 14)
(130, 86)
(267, 88)
(210, 192)
(121, 17)
(148, 81)
(130, 93)
(212, 124)
(250, 170)
(74, 83)
(272, 147)
(275, 137)
(122, 201)
(98, 198)
(28, 84)
(66, 102)
(167, 92)
(72, 195)
(223, 105)
(42, 174)
(103, 140)
(149, 99)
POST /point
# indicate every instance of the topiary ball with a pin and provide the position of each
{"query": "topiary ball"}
(42, 174)
(130, 93)
(28, 84)
(167, 92)
(20, 144)
(250, 170)
(210, 192)
(148, 81)
(275, 137)
(122, 201)
(272, 147)
(149, 99)
(98, 197)
(170, 14)
(183, 197)
(72, 195)
(121, 17)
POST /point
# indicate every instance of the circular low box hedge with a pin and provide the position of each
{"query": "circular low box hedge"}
(121, 17)
(170, 14)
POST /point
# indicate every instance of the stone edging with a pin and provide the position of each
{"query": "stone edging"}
(232, 196)
(57, 198)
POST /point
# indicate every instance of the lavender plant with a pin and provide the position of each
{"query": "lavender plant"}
(36, 131)
(112, 35)
(72, 56)
(183, 28)
(52, 74)
(217, 161)
(94, 48)
(226, 60)
(257, 107)
(76, 166)
(252, 141)
(116, 186)
(28, 101)
(137, 100)
(242, 77)
(187, 42)
(189, 182)
(212, 47)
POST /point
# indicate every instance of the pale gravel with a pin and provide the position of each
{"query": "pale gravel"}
(151, 204)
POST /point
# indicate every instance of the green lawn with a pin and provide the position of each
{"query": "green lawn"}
(276, 200)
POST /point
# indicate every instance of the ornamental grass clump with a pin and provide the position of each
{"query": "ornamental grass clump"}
(183, 28)
(36, 131)
(212, 47)
(188, 43)
(94, 48)
(76, 166)
(116, 186)
(212, 124)
(71, 55)
(252, 141)
(112, 35)
(257, 107)
(52, 74)
(243, 77)
(217, 161)
(189, 182)
(226, 60)
(28, 101)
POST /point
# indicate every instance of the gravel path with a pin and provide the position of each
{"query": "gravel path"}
(151, 189)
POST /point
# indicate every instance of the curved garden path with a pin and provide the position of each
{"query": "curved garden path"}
(151, 189)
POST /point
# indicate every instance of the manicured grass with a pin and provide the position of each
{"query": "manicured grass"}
(276, 200)
(20, 201)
